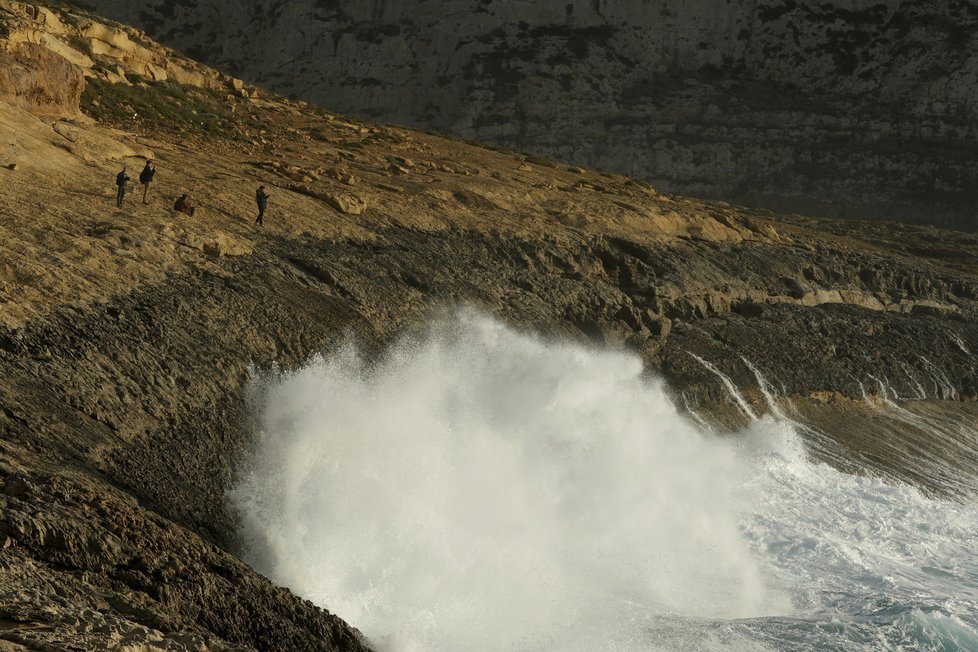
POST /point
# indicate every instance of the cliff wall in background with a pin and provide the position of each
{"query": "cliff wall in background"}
(853, 109)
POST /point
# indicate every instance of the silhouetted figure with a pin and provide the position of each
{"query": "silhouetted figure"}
(184, 205)
(261, 198)
(146, 178)
(121, 180)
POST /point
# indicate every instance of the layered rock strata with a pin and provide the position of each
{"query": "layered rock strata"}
(59, 46)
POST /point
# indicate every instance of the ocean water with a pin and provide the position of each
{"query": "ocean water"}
(481, 489)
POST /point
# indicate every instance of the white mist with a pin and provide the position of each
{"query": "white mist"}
(478, 489)
(484, 490)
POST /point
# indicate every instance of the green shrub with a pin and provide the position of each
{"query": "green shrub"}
(80, 43)
(540, 160)
(162, 105)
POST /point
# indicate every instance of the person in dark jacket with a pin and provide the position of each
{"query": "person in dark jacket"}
(261, 198)
(146, 178)
(121, 180)
(184, 205)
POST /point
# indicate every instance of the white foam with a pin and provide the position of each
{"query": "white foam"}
(479, 489)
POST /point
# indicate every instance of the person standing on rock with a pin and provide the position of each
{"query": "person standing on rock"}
(146, 178)
(261, 198)
(121, 180)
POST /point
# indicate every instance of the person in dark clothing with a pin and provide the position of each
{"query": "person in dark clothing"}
(146, 178)
(184, 205)
(121, 180)
(261, 198)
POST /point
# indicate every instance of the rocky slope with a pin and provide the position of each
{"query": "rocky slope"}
(853, 109)
(127, 337)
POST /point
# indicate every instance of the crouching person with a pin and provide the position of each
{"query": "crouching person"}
(184, 205)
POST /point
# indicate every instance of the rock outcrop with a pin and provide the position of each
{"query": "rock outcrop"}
(46, 54)
(128, 336)
(853, 109)
(34, 78)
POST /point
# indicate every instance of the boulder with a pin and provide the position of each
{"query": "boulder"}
(219, 245)
(182, 75)
(345, 203)
(342, 176)
(113, 40)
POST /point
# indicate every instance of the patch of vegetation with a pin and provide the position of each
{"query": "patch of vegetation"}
(139, 40)
(161, 105)
(541, 160)
(640, 184)
(321, 134)
(518, 155)
(491, 147)
(80, 43)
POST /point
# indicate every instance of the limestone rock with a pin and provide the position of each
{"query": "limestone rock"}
(112, 40)
(39, 80)
(343, 176)
(96, 47)
(182, 75)
(213, 248)
(346, 203)
(94, 145)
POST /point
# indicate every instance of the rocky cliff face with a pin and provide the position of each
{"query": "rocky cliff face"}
(48, 54)
(859, 109)
(127, 336)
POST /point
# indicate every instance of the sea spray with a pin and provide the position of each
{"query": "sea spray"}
(480, 489)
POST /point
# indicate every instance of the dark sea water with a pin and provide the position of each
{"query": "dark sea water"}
(480, 489)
